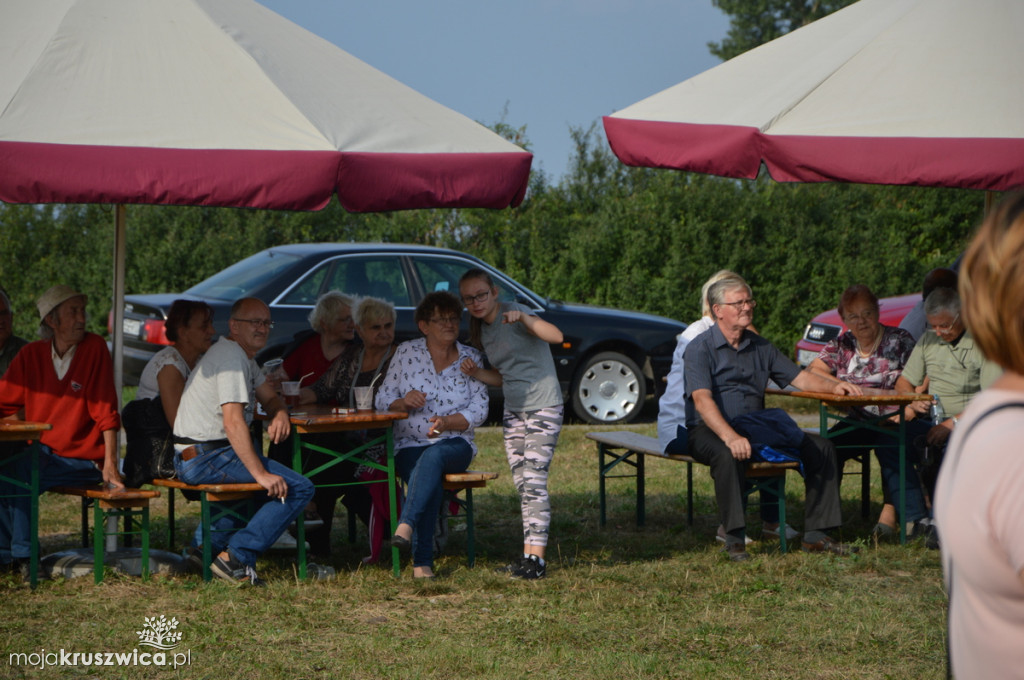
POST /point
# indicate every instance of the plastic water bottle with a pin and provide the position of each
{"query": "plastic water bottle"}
(938, 413)
(320, 572)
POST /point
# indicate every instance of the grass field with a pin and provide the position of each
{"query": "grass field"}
(618, 602)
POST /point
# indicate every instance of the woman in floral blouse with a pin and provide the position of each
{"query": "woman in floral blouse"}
(872, 355)
(424, 379)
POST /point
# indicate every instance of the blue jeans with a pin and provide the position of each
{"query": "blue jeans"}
(54, 470)
(246, 543)
(423, 469)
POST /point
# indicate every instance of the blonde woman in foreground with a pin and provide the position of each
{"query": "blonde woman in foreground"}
(979, 497)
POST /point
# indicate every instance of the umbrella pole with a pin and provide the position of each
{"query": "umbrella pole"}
(118, 315)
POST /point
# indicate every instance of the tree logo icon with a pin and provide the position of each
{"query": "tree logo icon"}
(159, 633)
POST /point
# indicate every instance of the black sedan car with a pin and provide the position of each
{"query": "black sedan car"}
(610, 361)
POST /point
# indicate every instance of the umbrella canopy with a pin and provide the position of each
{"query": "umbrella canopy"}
(224, 103)
(916, 92)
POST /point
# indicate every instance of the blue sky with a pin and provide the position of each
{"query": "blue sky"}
(554, 63)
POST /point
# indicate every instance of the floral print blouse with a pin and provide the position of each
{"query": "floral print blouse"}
(448, 392)
(879, 370)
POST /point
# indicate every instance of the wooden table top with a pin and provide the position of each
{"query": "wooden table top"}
(318, 417)
(21, 430)
(870, 397)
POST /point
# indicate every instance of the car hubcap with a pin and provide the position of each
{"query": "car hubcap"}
(609, 390)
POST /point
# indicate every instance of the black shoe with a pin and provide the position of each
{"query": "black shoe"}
(234, 571)
(19, 565)
(925, 529)
(530, 569)
(737, 552)
(401, 542)
(194, 559)
(512, 567)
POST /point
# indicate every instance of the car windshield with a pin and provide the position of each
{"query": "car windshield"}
(241, 278)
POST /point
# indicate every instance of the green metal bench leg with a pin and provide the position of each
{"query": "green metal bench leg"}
(470, 536)
(689, 493)
(204, 511)
(98, 535)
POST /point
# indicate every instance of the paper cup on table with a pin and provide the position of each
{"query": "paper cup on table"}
(364, 398)
(290, 390)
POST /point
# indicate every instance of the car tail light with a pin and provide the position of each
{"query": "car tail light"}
(153, 331)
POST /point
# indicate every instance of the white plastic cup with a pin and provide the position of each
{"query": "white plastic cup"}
(290, 390)
(364, 398)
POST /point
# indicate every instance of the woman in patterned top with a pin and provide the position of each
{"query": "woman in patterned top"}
(872, 355)
(444, 405)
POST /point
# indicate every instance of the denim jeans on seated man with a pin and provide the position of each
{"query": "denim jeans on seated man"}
(245, 540)
(423, 469)
(54, 470)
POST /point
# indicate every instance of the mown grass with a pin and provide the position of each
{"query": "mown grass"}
(619, 602)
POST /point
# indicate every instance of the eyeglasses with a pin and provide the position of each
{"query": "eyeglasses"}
(739, 304)
(445, 320)
(258, 323)
(945, 327)
(470, 299)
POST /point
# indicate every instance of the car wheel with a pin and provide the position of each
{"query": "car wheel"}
(609, 389)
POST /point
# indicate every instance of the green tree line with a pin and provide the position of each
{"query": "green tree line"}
(603, 234)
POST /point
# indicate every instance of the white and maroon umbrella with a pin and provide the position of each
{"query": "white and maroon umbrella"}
(224, 103)
(915, 92)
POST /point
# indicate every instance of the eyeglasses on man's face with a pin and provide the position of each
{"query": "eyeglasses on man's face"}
(472, 299)
(945, 327)
(740, 304)
(257, 323)
(445, 320)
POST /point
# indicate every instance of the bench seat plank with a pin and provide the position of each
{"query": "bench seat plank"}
(631, 448)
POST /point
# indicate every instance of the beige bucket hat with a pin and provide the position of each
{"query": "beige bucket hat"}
(52, 298)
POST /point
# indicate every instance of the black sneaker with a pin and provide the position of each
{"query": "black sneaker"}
(194, 559)
(512, 567)
(530, 569)
(234, 571)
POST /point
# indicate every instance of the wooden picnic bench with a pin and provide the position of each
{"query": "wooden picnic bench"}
(470, 479)
(632, 448)
(228, 496)
(128, 504)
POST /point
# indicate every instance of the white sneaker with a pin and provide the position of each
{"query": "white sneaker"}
(791, 533)
(720, 536)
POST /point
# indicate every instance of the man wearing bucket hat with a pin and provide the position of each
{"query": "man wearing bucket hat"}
(67, 380)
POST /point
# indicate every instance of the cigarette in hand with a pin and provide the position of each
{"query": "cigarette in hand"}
(282, 500)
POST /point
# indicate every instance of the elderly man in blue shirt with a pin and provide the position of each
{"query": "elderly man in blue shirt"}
(727, 369)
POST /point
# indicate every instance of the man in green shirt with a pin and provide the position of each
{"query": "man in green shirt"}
(948, 365)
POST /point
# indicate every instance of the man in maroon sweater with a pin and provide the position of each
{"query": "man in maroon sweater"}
(65, 380)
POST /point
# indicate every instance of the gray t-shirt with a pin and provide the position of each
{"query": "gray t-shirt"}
(529, 381)
(224, 375)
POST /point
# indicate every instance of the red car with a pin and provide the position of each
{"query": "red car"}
(828, 325)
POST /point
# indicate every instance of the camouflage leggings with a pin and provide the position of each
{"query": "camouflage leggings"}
(530, 440)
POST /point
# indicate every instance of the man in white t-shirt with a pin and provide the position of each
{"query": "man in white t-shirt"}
(213, 442)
